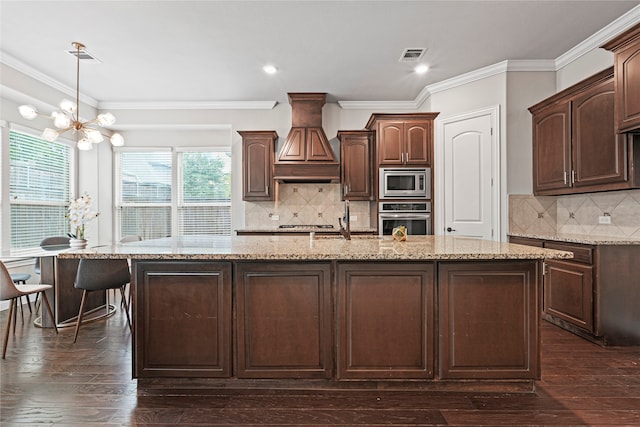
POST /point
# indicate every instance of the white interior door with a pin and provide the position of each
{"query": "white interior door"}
(470, 179)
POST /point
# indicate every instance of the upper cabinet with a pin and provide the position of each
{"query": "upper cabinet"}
(626, 50)
(575, 145)
(403, 139)
(356, 165)
(258, 151)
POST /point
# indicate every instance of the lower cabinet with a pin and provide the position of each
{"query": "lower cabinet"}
(336, 321)
(386, 321)
(488, 320)
(182, 319)
(568, 293)
(594, 295)
(284, 325)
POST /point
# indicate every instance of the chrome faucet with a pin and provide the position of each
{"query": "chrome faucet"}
(346, 230)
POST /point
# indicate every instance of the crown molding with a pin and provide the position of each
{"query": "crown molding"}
(29, 71)
(602, 36)
(171, 126)
(531, 65)
(195, 105)
(378, 105)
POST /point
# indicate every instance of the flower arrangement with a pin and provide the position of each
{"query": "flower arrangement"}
(79, 214)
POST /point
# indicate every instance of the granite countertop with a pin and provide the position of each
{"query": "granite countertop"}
(299, 230)
(279, 247)
(586, 239)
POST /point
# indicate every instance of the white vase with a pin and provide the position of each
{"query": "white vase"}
(78, 243)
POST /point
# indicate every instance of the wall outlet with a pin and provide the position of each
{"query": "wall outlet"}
(604, 219)
(275, 217)
(353, 218)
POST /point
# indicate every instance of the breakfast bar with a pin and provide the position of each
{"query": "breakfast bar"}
(443, 310)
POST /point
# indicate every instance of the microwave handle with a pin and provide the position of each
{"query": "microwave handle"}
(421, 182)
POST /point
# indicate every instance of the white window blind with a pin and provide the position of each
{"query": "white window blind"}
(39, 189)
(205, 197)
(145, 191)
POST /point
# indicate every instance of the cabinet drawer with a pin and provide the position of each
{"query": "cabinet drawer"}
(581, 253)
(526, 241)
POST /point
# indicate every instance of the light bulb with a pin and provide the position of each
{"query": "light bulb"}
(60, 120)
(84, 144)
(29, 112)
(68, 106)
(106, 119)
(93, 135)
(49, 134)
(269, 69)
(421, 69)
(117, 140)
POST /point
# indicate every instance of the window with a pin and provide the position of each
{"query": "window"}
(39, 189)
(153, 201)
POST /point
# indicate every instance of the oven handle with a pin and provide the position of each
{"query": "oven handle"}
(403, 216)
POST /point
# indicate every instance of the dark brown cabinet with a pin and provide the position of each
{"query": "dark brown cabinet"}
(183, 328)
(595, 294)
(552, 148)
(403, 139)
(386, 316)
(575, 146)
(482, 306)
(626, 49)
(356, 165)
(258, 151)
(568, 293)
(284, 324)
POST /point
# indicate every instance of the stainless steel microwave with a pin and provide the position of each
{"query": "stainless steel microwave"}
(405, 183)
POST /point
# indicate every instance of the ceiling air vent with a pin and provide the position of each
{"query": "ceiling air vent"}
(413, 54)
(84, 56)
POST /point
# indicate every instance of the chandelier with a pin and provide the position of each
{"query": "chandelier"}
(68, 120)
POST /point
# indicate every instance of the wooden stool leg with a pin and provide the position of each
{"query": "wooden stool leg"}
(21, 309)
(46, 302)
(80, 313)
(126, 307)
(15, 313)
(6, 335)
(29, 303)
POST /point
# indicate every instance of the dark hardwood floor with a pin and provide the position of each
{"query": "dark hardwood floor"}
(46, 379)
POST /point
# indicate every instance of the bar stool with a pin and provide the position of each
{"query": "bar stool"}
(10, 292)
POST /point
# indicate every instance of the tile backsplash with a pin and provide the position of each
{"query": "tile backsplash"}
(308, 204)
(577, 213)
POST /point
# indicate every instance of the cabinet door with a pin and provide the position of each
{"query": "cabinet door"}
(390, 143)
(356, 166)
(284, 325)
(182, 319)
(598, 153)
(385, 321)
(417, 137)
(551, 149)
(257, 165)
(627, 64)
(488, 319)
(568, 293)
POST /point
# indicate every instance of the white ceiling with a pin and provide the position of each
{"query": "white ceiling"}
(213, 51)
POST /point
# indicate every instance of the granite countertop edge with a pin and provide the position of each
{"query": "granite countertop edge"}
(301, 248)
(581, 238)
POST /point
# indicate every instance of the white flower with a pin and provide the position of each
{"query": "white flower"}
(79, 213)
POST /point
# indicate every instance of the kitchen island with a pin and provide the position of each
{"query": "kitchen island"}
(442, 310)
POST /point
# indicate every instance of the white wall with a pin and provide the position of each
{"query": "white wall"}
(585, 66)
(524, 89)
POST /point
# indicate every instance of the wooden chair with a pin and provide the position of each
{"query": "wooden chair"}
(101, 275)
(10, 292)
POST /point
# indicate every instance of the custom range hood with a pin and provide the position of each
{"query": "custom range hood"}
(306, 155)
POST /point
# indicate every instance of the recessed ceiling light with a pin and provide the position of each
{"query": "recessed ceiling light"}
(421, 69)
(270, 69)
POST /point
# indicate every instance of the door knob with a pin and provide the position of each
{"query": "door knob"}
(449, 229)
